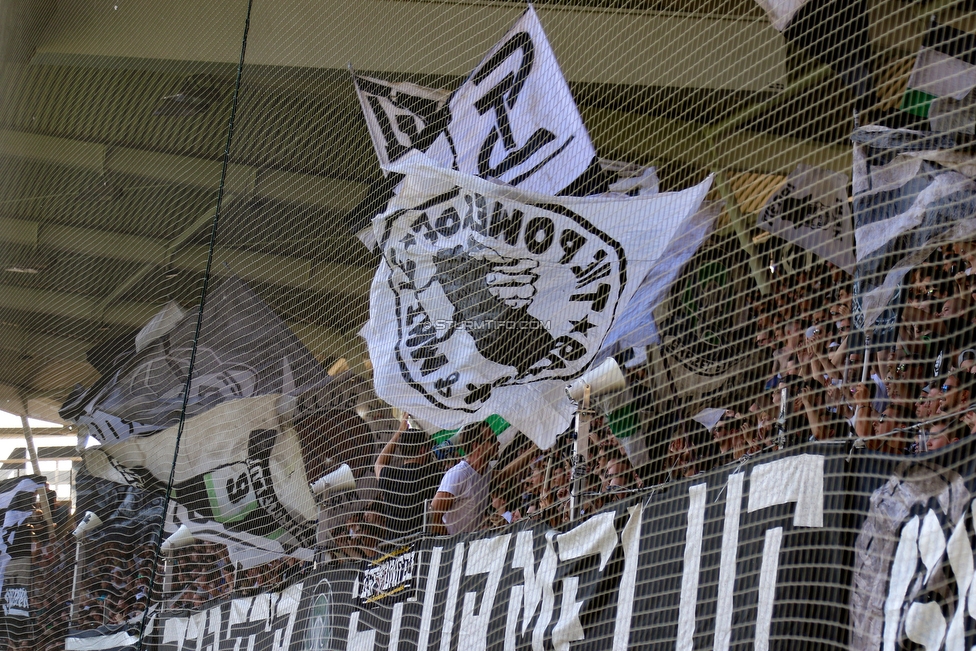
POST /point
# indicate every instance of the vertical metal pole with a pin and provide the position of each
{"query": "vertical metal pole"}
(168, 577)
(74, 580)
(580, 452)
(36, 466)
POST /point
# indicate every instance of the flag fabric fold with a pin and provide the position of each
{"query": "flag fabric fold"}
(499, 296)
(635, 327)
(243, 350)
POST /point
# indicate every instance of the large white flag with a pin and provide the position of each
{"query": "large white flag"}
(513, 119)
(635, 327)
(811, 210)
(488, 299)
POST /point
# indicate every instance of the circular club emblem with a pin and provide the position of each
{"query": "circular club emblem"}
(490, 293)
(319, 632)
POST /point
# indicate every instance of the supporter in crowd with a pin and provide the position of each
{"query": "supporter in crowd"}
(405, 489)
(462, 497)
(682, 457)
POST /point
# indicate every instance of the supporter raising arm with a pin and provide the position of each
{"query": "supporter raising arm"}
(462, 498)
(404, 487)
(386, 454)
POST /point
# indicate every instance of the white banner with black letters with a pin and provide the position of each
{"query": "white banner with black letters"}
(806, 549)
(488, 298)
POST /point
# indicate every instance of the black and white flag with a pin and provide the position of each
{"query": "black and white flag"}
(243, 350)
(905, 205)
(404, 116)
(499, 296)
(401, 116)
(513, 119)
(811, 210)
(239, 478)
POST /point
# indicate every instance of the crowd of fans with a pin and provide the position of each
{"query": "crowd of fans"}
(907, 388)
(459, 486)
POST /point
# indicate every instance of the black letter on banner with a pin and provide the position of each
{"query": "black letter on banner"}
(501, 222)
(394, 149)
(508, 89)
(476, 217)
(572, 242)
(537, 141)
(536, 226)
(501, 98)
(449, 222)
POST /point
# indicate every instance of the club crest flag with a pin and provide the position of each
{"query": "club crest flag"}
(811, 210)
(488, 299)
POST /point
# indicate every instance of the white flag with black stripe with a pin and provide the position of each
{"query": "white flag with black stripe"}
(514, 119)
(400, 116)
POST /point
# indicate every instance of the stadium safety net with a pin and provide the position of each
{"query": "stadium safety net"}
(476, 324)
